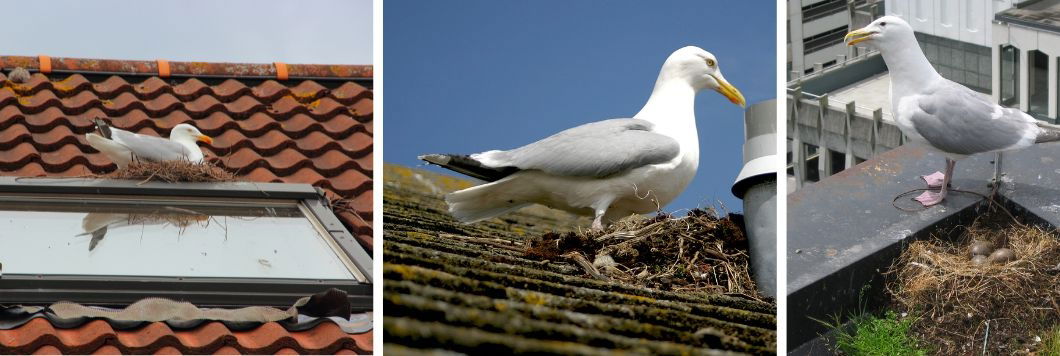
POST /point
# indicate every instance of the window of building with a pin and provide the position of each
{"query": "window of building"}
(824, 39)
(822, 9)
(838, 161)
(1038, 84)
(813, 174)
(187, 241)
(1010, 63)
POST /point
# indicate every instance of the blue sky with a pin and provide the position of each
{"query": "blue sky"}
(470, 76)
(256, 31)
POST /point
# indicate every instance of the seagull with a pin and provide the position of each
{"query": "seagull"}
(946, 116)
(607, 169)
(124, 147)
(98, 224)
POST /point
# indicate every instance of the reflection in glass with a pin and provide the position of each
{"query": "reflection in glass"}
(151, 238)
(97, 224)
(1038, 83)
(1010, 76)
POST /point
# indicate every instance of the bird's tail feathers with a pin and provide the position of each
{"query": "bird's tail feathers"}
(113, 150)
(1049, 133)
(482, 202)
(469, 166)
(102, 128)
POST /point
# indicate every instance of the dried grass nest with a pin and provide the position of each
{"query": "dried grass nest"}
(700, 252)
(173, 172)
(953, 297)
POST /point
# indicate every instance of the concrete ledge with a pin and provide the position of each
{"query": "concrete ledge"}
(843, 231)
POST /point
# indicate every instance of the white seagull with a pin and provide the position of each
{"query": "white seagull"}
(98, 224)
(124, 147)
(607, 169)
(947, 116)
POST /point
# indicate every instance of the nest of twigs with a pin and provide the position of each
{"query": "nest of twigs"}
(173, 172)
(700, 252)
(955, 298)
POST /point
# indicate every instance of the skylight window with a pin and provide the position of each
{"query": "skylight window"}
(161, 237)
(116, 241)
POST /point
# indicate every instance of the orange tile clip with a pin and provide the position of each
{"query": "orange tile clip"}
(281, 70)
(163, 68)
(45, 64)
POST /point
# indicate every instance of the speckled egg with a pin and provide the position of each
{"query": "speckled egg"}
(1002, 255)
(980, 248)
(979, 260)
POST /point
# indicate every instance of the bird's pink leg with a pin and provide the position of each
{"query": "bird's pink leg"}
(930, 198)
(600, 208)
(934, 180)
(598, 223)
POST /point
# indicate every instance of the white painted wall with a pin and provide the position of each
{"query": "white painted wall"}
(826, 23)
(961, 20)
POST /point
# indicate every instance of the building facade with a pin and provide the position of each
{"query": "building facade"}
(816, 29)
(1007, 49)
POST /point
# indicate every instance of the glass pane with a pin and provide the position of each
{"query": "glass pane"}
(1038, 83)
(148, 237)
(1009, 76)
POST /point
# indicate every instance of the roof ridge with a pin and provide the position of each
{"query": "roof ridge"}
(187, 69)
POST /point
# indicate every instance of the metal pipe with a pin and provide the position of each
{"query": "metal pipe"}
(757, 186)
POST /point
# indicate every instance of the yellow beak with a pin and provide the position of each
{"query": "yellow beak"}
(729, 91)
(856, 36)
(205, 138)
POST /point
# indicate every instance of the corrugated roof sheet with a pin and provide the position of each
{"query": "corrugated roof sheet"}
(472, 288)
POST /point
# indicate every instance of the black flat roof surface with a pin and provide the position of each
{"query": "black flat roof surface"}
(843, 232)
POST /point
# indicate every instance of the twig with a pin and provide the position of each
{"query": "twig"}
(986, 337)
(628, 234)
(582, 262)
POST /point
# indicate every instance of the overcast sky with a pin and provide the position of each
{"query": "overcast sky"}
(256, 31)
(477, 75)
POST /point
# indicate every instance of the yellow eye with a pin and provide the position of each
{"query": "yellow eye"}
(710, 62)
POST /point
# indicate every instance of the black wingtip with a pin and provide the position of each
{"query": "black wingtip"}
(102, 127)
(434, 158)
(468, 166)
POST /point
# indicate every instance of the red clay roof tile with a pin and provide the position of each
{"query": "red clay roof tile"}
(104, 350)
(38, 336)
(295, 131)
(227, 350)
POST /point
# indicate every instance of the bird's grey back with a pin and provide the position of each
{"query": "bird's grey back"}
(957, 120)
(596, 149)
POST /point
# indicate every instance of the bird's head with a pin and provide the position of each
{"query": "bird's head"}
(885, 32)
(701, 70)
(188, 133)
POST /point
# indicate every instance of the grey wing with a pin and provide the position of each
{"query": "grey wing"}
(151, 148)
(596, 149)
(957, 120)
